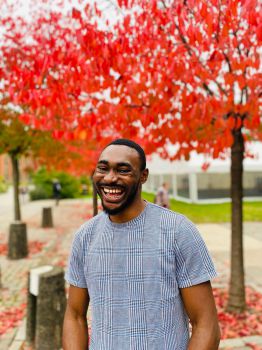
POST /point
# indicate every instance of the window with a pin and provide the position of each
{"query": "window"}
(213, 186)
(183, 186)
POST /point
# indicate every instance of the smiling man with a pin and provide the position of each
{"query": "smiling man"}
(144, 269)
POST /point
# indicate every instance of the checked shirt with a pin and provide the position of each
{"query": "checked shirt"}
(133, 272)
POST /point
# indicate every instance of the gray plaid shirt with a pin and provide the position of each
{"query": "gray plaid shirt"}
(133, 272)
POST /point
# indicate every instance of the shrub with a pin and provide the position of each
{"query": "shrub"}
(38, 193)
(43, 181)
(3, 185)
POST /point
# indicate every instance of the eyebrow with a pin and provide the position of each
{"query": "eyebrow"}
(124, 164)
(118, 164)
(103, 162)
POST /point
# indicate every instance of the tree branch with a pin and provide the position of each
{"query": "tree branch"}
(218, 22)
(190, 52)
(238, 46)
(228, 62)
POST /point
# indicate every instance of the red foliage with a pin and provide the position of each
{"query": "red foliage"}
(39, 77)
(33, 246)
(11, 318)
(240, 325)
(183, 73)
(188, 57)
(3, 248)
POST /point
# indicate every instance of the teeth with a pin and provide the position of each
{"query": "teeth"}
(112, 191)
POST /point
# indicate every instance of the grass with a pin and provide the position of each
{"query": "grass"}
(203, 213)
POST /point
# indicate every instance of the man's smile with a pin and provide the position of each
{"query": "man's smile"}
(112, 194)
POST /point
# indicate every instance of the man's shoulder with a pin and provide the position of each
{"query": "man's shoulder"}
(165, 213)
(88, 227)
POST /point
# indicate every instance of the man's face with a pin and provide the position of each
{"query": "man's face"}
(118, 177)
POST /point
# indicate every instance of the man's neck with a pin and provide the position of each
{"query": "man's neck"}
(129, 213)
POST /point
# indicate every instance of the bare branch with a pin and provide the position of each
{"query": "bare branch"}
(228, 62)
(207, 88)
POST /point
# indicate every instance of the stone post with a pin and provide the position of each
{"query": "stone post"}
(47, 219)
(30, 315)
(46, 307)
(17, 241)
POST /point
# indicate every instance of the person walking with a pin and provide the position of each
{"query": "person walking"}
(162, 196)
(56, 190)
(144, 269)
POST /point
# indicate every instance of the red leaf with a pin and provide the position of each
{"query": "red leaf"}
(76, 13)
(26, 118)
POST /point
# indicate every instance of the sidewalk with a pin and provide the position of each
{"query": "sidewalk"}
(218, 240)
(46, 246)
(51, 246)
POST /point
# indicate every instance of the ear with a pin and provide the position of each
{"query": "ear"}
(144, 176)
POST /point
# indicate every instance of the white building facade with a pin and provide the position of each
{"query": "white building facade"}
(190, 183)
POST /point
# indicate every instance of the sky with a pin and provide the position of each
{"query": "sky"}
(26, 8)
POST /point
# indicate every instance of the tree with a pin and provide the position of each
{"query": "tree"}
(43, 68)
(16, 141)
(186, 73)
(182, 73)
(39, 97)
(191, 70)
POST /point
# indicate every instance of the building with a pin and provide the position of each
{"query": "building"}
(25, 166)
(5, 168)
(188, 182)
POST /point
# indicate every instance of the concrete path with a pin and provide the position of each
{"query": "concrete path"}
(68, 216)
(218, 240)
(46, 246)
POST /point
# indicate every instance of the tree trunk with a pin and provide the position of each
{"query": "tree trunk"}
(236, 302)
(15, 171)
(17, 243)
(95, 207)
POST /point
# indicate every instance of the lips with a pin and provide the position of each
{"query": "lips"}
(112, 194)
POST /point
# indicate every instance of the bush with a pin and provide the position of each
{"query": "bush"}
(43, 181)
(86, 185)
(3, 185)
(38, 193)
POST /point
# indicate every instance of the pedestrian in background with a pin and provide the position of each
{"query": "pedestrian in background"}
(162, 196)
(57, 190)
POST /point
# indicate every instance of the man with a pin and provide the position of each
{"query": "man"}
(162, 197)
(144, 268)
(56, 190)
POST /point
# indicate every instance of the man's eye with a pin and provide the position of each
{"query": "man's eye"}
(124, 171)
(101, 169)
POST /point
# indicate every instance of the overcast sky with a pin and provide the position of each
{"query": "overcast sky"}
(26, 8)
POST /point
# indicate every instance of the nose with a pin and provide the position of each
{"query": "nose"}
(111, 176)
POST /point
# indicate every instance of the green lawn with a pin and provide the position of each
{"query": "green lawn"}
(200, 213)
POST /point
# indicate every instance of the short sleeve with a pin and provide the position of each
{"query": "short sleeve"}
(75, 271)
(193, 262)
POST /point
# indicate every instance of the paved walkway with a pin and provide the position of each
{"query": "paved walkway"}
(45, 246)
(53, 245)
(218, 240)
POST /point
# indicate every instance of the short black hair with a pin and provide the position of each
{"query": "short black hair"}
(134, 145)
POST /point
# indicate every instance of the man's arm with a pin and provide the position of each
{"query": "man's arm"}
(75, 331)
(200, 307)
